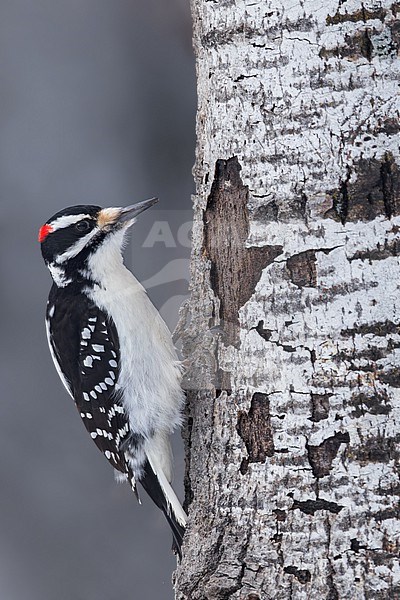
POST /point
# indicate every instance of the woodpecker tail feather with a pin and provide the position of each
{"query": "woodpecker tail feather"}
(160, 491)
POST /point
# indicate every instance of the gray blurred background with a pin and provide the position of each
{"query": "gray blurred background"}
(97, 106)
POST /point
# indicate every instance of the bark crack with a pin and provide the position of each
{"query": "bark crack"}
(310, 507)
(333, 593)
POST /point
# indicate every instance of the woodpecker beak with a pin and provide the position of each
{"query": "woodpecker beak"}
(109, 217)
(130, 212)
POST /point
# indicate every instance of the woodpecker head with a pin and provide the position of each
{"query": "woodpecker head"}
(74, 237)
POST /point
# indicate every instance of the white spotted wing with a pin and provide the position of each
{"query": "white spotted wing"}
(99, 399)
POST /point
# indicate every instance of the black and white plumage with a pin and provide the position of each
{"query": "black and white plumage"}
(112, 349)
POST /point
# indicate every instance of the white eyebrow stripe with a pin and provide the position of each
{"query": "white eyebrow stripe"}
(77, 247)
(67, 220)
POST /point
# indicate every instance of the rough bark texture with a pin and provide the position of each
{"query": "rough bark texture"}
(293, 327)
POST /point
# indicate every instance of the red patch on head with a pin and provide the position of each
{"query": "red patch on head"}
(44, 232)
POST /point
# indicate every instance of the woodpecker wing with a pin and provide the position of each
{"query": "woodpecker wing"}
(85, 349)
(99, 398)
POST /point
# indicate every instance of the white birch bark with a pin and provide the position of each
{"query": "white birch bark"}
(293, 328)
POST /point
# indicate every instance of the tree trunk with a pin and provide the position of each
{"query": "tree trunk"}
(293, 328)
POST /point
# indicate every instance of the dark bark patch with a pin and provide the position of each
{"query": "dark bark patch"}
(244, 466)
(387, 513)
(378, 449)
(255, 430)
(303, 575)
(393, 490)
(390, 181)
(363, 15)
(355, 545)
(235, 269)
(321, 457)
(302, 269)
(379, 329)
(218, 391)
(371, 355)
(375, 404)
(366, 43)
(395, 35)
(264, 333)
(277, 538)
(267, 212)
(375, 192)
(333, 593)
(391, 546)
(280, 514)
(320, 407)
(356, 46)
(381, 252)
(391, 377)
(390, 126)
(309, 507)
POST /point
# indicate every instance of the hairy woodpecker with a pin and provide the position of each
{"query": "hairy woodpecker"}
(112, 350)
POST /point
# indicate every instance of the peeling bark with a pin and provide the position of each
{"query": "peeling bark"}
(321, 456)
(234, 269)
(375, 191)
(292, 334)
(254, 428)
(302, 268)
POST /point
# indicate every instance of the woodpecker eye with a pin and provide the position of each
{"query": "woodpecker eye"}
(82, 225)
